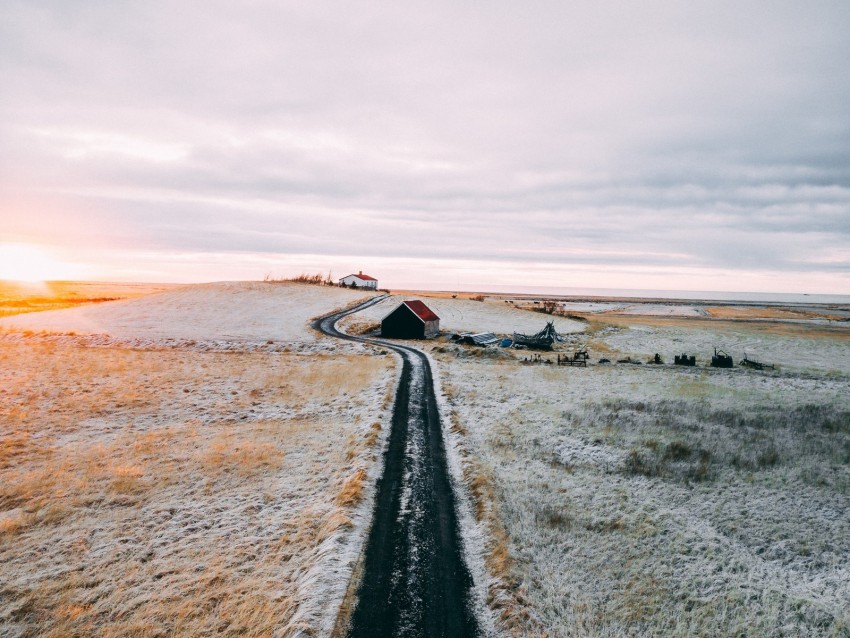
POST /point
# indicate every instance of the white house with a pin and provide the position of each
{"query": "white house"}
(359, 280)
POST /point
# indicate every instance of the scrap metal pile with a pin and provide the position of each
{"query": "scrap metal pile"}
(543, 340)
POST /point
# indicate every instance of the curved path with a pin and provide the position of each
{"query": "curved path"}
(415, 581)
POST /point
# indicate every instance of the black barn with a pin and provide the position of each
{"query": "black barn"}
(411, 320)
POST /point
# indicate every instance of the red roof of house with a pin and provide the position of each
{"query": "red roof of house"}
(421, 310)
(362, 276)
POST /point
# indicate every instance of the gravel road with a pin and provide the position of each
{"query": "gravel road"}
(415, 581)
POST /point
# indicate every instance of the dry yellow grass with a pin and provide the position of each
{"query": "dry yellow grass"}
(504, 596)
(374, 433)
(176, 493)
(755, 312)
(18, 298)
(228, 452)
(352, 489)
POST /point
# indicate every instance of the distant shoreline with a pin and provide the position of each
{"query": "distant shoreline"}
(589, 295)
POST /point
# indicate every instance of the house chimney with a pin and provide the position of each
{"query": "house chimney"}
(360, 273)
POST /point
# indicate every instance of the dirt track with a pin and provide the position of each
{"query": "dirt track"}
(415, 581)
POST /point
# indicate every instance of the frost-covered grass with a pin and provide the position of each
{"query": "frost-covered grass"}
(182, 491)
(661, 501)
(227, 311)
(200, 463)
(466, 315)
(793, 347)
(694, 441)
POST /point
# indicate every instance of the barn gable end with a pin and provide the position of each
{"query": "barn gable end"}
(411, 320)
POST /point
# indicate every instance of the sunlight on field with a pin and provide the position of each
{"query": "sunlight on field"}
(20, 297)
(153, 493)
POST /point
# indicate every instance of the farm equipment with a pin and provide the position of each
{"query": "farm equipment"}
(579, 358)
(721, 360)
(755, 365)
(685, 360)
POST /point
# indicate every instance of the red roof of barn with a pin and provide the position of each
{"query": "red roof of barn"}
(421, 310)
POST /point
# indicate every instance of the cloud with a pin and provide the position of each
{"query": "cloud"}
(707, 137)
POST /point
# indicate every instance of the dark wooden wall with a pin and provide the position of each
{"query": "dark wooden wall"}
(402, 323)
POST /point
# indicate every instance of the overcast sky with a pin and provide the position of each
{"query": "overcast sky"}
(676, 145)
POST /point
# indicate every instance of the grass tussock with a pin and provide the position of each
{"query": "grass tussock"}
(127, 479)
(693, 441)
(231, 453)
(351, 492)
(13, 522)
(373, 434)
(13, 445)
(365, 327)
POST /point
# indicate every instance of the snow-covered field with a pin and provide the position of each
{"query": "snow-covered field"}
(624, 308)
(661, 310)
(593, 307)
(199, 462)
(466, 315)
(792, 348)
(646, 500)
(237, 312)
(154, 485)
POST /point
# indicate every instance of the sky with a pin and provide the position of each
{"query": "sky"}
(701, 145)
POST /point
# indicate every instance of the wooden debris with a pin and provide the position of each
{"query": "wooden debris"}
(543, 340)
(579, 358)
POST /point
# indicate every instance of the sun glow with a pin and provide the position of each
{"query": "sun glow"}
(25, 262)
